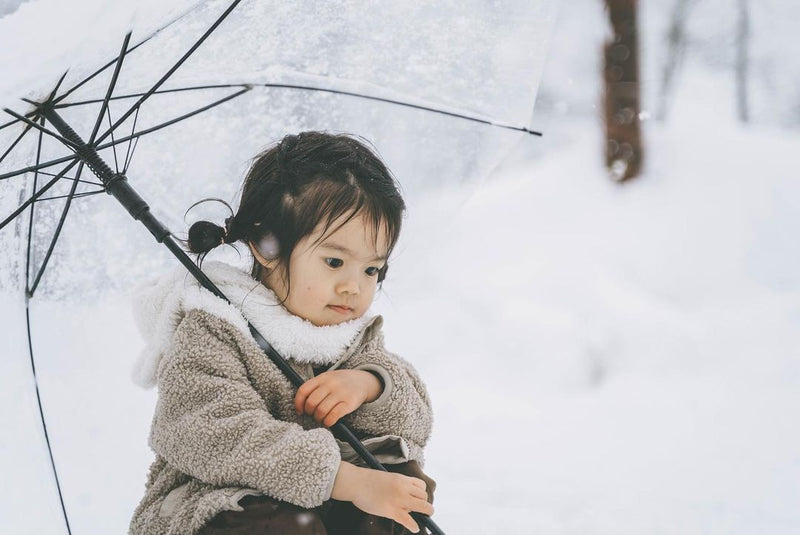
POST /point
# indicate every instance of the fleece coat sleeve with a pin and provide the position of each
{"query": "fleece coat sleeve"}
(212, 424)
(403, 408)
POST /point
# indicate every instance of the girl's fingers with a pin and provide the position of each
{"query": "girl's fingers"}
(408, 523)
(314, 399)
(426, 508)
(417, 492)
(417, 482)
(339, 410)
(324, 407)
(302, 394)
(421, 505)
(299, 402)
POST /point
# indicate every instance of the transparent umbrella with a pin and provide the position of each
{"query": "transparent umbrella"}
(181, 104)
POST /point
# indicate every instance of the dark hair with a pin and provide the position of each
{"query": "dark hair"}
(307, 179)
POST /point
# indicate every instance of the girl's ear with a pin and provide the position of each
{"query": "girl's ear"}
(261, 257)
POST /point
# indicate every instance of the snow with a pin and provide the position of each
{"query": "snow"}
(624, 361)
(602, 358)
(37, 36)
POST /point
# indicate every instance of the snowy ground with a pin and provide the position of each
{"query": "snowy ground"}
(601, 359)
(616, 360)
(609, 359)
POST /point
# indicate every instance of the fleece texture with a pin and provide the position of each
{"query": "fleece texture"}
(162, 303)
(225, 425)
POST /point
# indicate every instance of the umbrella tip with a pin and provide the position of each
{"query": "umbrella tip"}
(58, 85)
(38, 106)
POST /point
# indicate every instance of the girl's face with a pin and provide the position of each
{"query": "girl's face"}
(332, 281)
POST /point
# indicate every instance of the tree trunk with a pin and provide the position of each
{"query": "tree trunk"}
(624, 153)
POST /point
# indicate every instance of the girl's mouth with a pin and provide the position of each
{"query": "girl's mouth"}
(341, 310)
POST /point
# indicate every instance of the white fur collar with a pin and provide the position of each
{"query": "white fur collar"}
(160, 304)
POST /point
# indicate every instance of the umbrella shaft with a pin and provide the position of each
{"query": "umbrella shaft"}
(87, 153)
(115, 184)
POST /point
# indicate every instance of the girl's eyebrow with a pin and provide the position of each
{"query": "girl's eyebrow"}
(345, 250)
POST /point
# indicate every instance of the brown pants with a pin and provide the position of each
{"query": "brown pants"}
(263, 515)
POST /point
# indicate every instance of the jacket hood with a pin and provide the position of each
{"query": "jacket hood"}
(161, 303)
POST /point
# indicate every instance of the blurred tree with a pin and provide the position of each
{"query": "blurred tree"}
(742, 44)
(678, 42)
(624, 151)
(676, 48)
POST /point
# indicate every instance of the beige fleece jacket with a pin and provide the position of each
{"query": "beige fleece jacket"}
(225, 425)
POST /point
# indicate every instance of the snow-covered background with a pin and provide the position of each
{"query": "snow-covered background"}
(602, 358)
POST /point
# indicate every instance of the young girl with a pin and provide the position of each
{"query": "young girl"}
(238, 449)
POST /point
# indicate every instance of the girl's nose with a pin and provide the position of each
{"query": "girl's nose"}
(349, 286)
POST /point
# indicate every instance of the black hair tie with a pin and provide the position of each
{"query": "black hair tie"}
(228, 236)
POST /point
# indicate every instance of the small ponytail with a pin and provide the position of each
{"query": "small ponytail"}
(205, 235)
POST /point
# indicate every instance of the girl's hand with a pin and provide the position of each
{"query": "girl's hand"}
(385, 494)
(335, 393)
(394, 496)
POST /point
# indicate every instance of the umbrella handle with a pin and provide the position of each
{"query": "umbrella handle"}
(117, 185)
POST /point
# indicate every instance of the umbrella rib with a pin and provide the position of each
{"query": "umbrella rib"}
(30, 114)
(174, 68)
(57, 87)
(19, 138)
(82, 181)
(325, 90)
(110, 90)
(30, 220)
(39, 193)
(176, 119)
(134, 142)
(160, 92)
(50, 163)
(29, 293)
(47, 131)
(76, 196)
(407, 104)
(41, 415)
(57, 233)
(113, 142)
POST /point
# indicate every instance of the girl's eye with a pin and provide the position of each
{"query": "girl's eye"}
(334, 262)
(372, 271)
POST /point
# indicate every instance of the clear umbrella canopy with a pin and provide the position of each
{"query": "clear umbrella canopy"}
(477, 59)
